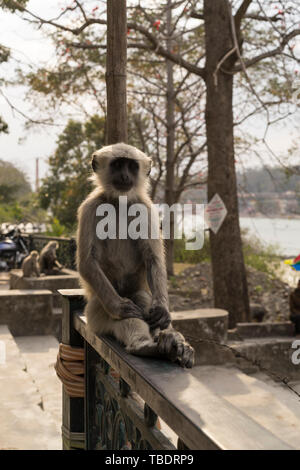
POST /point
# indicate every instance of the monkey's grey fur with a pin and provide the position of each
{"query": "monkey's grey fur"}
(30, 265)
(48, 262)
(125, 280)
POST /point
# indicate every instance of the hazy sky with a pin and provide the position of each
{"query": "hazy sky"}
(30, 45)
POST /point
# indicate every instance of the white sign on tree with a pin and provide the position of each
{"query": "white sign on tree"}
(215, 213)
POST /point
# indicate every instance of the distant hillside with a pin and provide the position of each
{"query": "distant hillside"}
(266, 191)
(269, 180)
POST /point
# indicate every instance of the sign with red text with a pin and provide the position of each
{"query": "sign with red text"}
(215, 213)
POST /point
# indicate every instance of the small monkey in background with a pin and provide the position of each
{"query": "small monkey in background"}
(125, 280)
(30, 266)
(48, 262)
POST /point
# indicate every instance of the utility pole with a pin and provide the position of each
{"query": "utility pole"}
(116, 60)
(37, 175)
(170, 118)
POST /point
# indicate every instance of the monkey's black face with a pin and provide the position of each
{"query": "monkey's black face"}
(124, 173)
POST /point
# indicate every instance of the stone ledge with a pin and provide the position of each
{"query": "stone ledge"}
(68, 279)
(263, 330)
(23, 292)
(203, 329)
(271, 355)
(26, 312)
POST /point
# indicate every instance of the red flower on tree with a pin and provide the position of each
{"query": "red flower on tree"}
(156, 24)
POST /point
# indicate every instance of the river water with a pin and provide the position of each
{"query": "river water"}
(284, 234)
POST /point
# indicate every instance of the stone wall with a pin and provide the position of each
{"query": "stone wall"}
(26, 312)
(68, 279)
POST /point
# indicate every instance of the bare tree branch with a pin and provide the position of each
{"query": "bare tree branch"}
(156, 46)
(265, 55)
(153, 41)
(253, 16)
(241, 13)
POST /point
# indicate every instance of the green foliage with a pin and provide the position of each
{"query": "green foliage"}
(256, 255)
(17, 202)
(70, 167)
(11, 213)
(67, 184)
(181, 255)
(13, 5)
(31, 210)
(26, 209)
(57, 229)
(13, 183)
(260, 257)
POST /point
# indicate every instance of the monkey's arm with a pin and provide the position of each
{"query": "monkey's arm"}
(159, 316)
(88, 254)
(57, 264)
(36, 270)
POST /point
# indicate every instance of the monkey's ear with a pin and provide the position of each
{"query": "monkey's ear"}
(94, 162)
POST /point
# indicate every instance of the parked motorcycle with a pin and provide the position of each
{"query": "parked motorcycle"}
(13, 250)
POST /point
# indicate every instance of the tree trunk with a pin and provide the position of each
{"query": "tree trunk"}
(116, 59)
(229, 274)
(170, 110)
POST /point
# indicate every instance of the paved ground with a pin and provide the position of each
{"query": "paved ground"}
(25, 425)
(39, 354)
(30, 405)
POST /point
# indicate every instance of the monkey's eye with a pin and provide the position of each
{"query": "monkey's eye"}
(133, 166)
(116, 164)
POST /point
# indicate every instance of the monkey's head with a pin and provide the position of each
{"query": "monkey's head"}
(121, 169)
(34, 254)
(53, 246)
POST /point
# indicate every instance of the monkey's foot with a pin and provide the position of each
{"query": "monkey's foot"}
(172, 344)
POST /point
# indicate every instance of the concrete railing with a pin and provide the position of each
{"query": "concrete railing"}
(125, 395)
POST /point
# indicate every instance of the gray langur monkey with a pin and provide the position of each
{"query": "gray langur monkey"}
(30, 266)
(48, 261)
(125, 279)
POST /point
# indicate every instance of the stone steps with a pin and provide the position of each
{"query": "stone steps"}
(271, 406)
(271, 355)
(30, 393)
(39, 354)
(24, 423)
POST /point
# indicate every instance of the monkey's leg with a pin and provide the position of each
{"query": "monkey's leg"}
(173, 344)
(135, 335)
(132, 332)
(97, 318)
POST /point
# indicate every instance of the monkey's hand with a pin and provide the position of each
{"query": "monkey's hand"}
(129, 309)
(158, 317)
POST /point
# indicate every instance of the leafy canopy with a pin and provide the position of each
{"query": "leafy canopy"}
(13, 183)
(67, 184)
